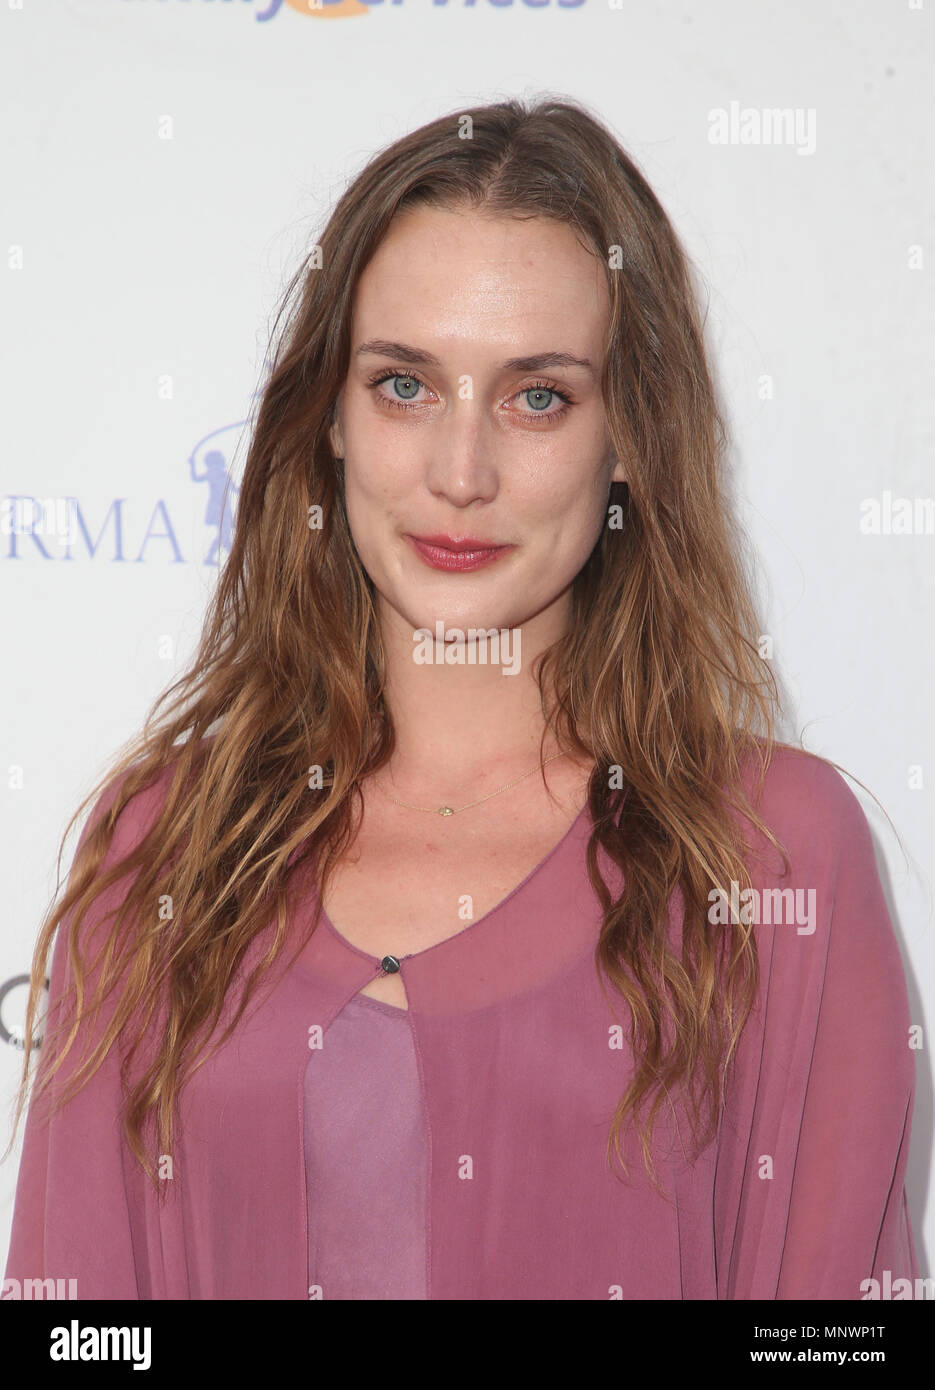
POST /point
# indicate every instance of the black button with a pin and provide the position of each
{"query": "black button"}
(389, 965)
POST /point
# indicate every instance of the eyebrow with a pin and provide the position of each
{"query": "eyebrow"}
(416, 357)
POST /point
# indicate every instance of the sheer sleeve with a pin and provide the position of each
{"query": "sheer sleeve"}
(812, 1160)
(71, 1212)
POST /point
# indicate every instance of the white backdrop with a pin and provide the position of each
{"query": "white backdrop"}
(164, 162)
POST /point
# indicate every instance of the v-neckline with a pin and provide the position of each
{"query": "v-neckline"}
(470, 926)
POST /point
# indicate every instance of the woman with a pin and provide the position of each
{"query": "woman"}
(573, 1037)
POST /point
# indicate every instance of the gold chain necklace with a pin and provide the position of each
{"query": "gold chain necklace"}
(453, 810)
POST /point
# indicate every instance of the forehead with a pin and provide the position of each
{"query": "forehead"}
(472, 277)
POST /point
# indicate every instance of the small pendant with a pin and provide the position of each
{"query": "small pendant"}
(445, 811)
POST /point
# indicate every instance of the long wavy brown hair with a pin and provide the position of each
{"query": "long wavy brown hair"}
(659, 679)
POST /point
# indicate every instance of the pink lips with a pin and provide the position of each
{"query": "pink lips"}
(448, 553)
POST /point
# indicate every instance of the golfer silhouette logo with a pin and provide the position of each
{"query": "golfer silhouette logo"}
(219, 509)
(208, 463)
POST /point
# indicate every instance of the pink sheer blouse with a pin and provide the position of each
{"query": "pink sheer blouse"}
(365, 1157)
(332, 1150)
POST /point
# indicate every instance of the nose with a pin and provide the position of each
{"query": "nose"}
(462, 455)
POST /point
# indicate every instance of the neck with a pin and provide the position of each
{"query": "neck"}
(463, 723)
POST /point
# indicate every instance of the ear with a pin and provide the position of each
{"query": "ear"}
(335, 436)
(618, 474)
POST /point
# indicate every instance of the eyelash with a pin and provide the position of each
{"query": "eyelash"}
(542, 385)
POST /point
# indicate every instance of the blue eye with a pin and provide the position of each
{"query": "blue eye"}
(396, 377)
(410, 379)
(535, 395)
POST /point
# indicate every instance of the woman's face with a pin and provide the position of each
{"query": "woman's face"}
(460, 439)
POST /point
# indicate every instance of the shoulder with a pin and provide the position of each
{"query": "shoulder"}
(132, 803)
(807, 804)
(103, 873)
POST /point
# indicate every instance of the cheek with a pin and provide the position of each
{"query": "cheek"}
(375, 500)
(572, 527)
(381, 463)
(569, 506)
(374, 478)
